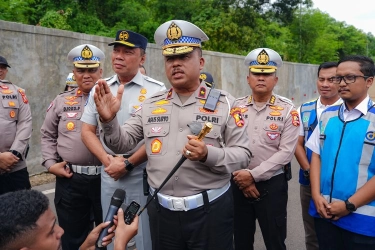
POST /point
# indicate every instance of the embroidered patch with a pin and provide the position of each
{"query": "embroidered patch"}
(11, 104)
(156, 145)
(71, 103)
(71, 98)
(295, 118)
(155, 130)
(273, 126)
(162, 102)
(71, 115)
(276, 107)
(159, 111)
(273, 135)
(4, 87)
(236, 113)
(370, 135)
(7, 91)
(70, 126)
(12, 114)
(143, 91)
(275, 113)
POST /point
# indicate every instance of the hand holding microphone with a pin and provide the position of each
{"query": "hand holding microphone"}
(116, 201)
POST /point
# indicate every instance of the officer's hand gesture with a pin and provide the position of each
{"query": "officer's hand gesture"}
(116, 168)
(61, 170)
(321, 207)
(251, 191)
(7, 160)
(243, 178)
(195, 150)
(107, 104)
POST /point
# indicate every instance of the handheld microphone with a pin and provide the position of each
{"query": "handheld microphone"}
(116, 201)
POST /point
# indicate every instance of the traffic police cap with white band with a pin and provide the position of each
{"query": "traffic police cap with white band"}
(86, 56)
(130, 39)
(71, 81)
(263, 60)
(179, 37)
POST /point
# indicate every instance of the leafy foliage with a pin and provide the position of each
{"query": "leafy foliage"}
(297, 31)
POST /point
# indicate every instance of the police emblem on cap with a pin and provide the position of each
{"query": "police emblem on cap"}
(263, 58)
(123, 35)
(203, 76)
(86, 53)
(174, 32)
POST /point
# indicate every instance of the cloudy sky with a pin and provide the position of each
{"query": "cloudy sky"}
(359, 13)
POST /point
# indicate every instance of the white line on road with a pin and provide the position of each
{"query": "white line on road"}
(49, 191)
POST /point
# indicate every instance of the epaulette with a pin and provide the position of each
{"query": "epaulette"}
(108, 78)
(67, 91)
(153, 80)
(158, 94)
(242, 98)
(284, 99)
(5, 81)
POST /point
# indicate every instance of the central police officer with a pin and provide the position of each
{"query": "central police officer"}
(194, 210)
(64, 154)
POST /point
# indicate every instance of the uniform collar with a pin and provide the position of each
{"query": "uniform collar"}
(271, 101)
(362, 107)
(200, 93)
(137, 79)
(320, 105)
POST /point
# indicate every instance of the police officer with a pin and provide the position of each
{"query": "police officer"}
(309, 114)
(194, 210)
(70, 82)
(261, 190)
(16, 123)
(207, 77)
(128, 53)
(77, 170)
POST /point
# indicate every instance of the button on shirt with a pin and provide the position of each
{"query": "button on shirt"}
(348, 115)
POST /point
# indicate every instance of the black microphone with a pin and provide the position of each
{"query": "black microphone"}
(116, 201)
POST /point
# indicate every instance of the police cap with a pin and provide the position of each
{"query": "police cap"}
(263, 60)
(130, 39)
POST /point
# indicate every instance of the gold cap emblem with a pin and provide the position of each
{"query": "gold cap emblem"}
(123, 36)
(263, 58)
(174, 32)
(86, 53)
(203, 76)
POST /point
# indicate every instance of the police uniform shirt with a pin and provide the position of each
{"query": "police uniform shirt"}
(163, 120)
(362, 108)
(135, 93)
(273, 133)
(319, 109)
(61, 131)
(15, 121)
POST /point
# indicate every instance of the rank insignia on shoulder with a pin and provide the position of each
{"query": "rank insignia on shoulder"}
(156, 145)
(169, 96)
(70, 126)
(272, 99)
(12, 114)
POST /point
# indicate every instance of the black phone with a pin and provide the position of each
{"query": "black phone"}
(212, 99)
(131, 212)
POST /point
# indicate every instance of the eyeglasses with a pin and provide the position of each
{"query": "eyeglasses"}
(347, 79)
(90, 70)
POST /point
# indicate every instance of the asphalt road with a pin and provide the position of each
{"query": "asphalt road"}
(295, 234)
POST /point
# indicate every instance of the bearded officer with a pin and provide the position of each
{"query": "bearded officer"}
(77, 170)
(261, 191)
(16, 121)
(198, 197)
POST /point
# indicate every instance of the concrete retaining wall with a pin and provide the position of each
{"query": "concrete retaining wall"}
(37, 56)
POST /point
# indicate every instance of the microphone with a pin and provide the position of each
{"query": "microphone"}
(116, 201)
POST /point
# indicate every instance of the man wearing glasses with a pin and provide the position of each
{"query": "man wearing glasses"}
(342, 163)
(77, 170)
(261, 191)
(309, 115)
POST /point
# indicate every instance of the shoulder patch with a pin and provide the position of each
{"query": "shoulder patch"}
(284, 99)
(242, 98)
(153, 80)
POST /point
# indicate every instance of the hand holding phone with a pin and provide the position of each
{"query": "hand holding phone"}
(131, 212)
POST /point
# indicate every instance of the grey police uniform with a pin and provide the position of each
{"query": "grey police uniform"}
(163, 123)
(16, 121)
(135, 93)
(76, 197)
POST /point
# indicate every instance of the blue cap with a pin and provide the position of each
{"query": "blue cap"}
(130, 39)
(207, 77)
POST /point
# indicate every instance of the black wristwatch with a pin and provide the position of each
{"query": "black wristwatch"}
(306, 173)
(128, 166)
(350, 206)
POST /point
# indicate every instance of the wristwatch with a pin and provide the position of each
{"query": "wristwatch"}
(128, 166)
(350, 206)
(306, 173)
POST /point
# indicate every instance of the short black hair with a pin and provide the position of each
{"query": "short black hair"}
(327, 65)
(365, 63)
(19, 212)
